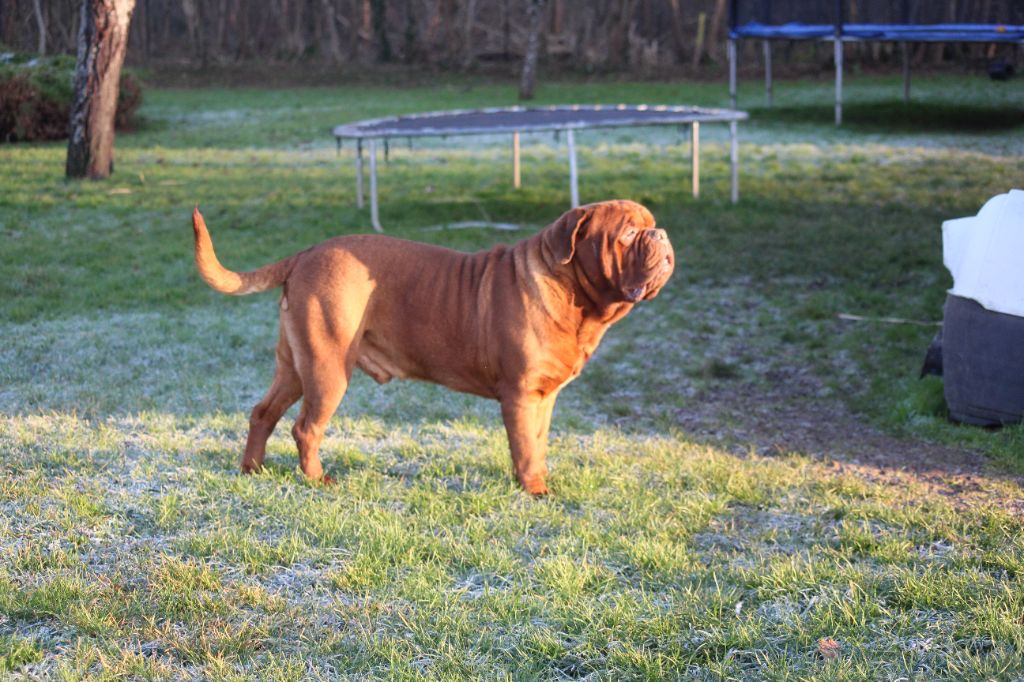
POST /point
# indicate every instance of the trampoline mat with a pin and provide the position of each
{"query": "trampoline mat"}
(519, 119)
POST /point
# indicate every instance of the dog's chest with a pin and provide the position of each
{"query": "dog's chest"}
(575, 372)
(579, 350)
(563, 367)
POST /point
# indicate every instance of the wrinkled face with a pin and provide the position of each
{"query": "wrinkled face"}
(623, 255)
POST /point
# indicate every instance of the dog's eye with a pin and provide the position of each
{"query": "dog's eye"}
(629, 236)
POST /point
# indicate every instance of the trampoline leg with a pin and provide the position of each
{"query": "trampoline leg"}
(695, 158)
(839, 80)
(768, 72)
(515, 160)
(731, 50)
(574, 190)
(374, 210)
(359, 173)
(734, 162)
(906, 72)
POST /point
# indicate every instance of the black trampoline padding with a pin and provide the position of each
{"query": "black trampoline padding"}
(520, 119)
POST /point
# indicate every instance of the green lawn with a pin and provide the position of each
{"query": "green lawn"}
(727, 497)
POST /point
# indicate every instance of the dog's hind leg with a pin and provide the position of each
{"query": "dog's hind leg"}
(284, 391)
(323, 332)
(324, 386)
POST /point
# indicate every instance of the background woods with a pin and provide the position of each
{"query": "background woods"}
(634, 35)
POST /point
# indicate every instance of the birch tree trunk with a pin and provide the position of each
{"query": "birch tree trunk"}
(41, 24)
(102, 41)
(191, 11)
(535, 11)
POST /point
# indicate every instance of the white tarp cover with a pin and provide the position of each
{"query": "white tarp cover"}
(985, 254)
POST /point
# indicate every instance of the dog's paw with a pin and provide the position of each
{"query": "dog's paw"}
(535, 486)
(323, 479)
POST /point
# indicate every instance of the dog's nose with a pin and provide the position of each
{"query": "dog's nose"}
(661, 235)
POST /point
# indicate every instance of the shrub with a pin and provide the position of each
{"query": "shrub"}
(35, 98)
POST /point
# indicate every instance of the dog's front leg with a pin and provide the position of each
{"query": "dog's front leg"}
(521, 414)
(545, 408)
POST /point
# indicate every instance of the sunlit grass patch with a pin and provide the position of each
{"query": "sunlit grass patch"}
(245, 548)
(675, 557)
(184, 588)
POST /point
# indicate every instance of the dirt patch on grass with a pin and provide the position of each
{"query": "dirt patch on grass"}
(786, 414)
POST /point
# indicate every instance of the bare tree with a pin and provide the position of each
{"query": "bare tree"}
(410, 43)
(715, 32)
(617, 25)
(331, 32)
(41, 24)
(535, 12)
(190, 9)
(380, 30)
(677, 30)
(102, 41)
(467, 34)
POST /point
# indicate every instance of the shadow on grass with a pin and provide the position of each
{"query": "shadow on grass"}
(899, 117)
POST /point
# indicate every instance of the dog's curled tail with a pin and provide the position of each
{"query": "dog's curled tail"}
(227, 281)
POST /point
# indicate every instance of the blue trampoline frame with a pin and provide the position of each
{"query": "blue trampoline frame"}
(841, 32)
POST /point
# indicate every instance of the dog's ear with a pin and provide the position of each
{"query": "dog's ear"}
(561, 235)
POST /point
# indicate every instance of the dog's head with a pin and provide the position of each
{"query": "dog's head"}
(616, 247)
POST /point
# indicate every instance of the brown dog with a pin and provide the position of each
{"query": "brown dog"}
(515, 323)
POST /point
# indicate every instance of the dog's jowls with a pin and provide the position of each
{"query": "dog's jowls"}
(515, 323)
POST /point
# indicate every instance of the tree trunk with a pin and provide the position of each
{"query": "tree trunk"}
(698, 41)
(467, 34)
(715, 30)
(617, 31)
(557, 17)
(365, 32)
(379, 10)
(41, 24)
(295, 19)
(506, 31)
(331, 31)
(410, 52)
(191, 12)
(677, 31)
(102, 41)
(217, 37)
(535, 11)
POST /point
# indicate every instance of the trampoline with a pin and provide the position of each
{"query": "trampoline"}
(893, 22)
(517, 120)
